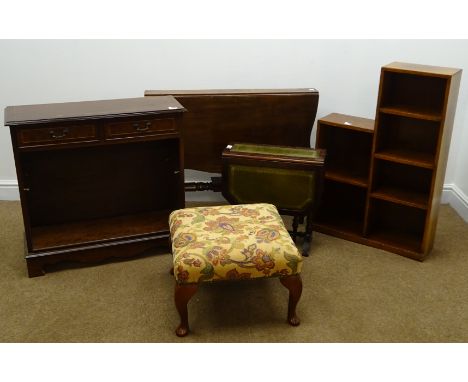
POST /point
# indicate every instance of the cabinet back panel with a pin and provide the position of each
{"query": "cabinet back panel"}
(407, 133)
(402, 176)
(342, 200)
(409, 90)
(394, 217)
(346, 149)
(70, 185)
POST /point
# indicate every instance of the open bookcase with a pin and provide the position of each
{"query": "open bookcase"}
(384, 181)
(348, 141)
(97, 179)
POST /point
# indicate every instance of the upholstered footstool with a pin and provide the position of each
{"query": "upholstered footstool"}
(233, 242)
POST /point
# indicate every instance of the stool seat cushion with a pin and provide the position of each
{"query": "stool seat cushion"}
(231, 242)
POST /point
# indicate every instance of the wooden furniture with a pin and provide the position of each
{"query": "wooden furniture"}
(217, 117)
(213, 244)
(290, 178)
(348, 141)
(97, 179)
(396, 206)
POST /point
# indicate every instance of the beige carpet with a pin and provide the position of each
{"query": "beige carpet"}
(352, 293)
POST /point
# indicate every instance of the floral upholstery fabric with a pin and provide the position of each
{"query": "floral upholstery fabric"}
(231, 242)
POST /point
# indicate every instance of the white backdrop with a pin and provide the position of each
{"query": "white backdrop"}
(346, 73)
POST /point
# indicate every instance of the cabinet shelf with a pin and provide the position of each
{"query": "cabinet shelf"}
(398, 241)
(342, 208)
(395, 226)
(347, 177)
(411, 112)
(391, 202)
(401, 196)
(99, 230)
(401, 183)
(348, 141)
(345, 228)
(404, 156)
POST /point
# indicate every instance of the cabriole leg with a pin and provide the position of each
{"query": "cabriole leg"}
(294, 285)
(183, 294)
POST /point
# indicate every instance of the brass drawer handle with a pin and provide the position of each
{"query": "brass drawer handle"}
(62, 135)
(145, 127)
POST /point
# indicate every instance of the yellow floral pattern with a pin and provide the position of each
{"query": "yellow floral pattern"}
(231, 242)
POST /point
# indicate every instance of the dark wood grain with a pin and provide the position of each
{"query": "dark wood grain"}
(405, 156)
(86, 186)
(395, 207)
(218, 117)
(86, 110)
(38, 263)
(53, 134)
(47, 237)
(350, 122)
(348, 141)
(414, 120)
(342, 206)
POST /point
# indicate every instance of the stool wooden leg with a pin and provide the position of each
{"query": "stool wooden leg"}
(183, 294)
(294, 285)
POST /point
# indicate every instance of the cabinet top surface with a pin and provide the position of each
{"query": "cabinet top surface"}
(232, 91)
(424, 69)
(349, 121)
(42, 113)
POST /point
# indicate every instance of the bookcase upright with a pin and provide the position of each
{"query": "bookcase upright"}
(408, 157)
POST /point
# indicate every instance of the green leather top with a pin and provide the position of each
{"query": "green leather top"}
(275, 150)
(285, 188)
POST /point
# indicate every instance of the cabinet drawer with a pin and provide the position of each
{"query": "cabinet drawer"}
(141, 127)
(38, 136)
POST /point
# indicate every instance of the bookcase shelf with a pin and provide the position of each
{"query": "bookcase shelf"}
(400, 173)
(421, 95)
(343, 176)
(401, 196)
(401, 183)
(407, 140)
(396, 225)
(62, 235)
(405, 156)
(348, 141)
(342, 208)
(396, 241)
(412, 112)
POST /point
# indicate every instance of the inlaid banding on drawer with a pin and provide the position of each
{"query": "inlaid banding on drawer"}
(132, 128)
(36, 136)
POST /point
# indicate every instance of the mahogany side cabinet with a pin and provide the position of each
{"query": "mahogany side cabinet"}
(97, 179)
